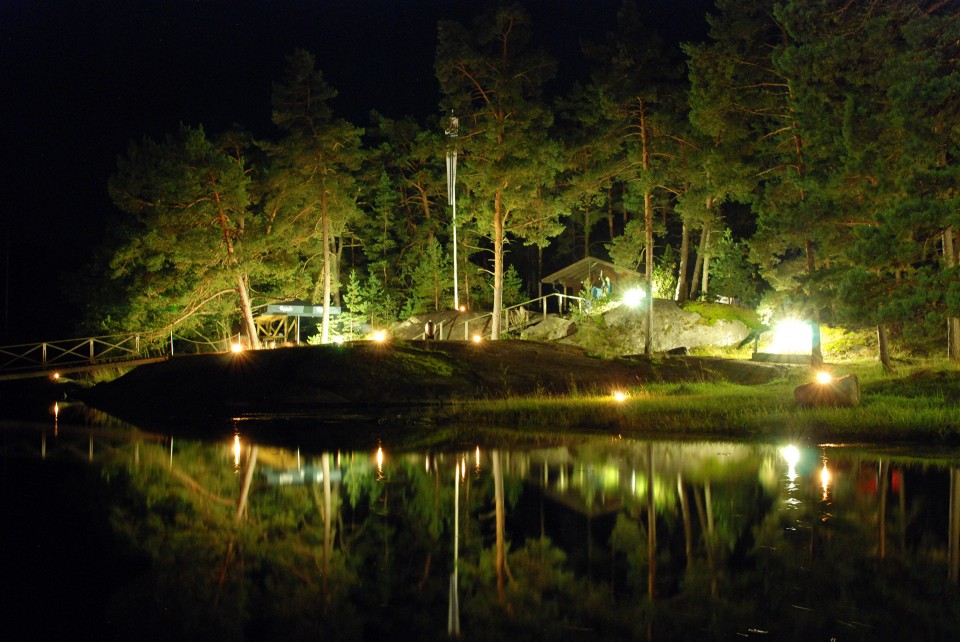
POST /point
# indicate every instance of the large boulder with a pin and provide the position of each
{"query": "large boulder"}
(843, 392)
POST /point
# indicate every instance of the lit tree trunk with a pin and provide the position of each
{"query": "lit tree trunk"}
(497, 265)
(953, 323)
(247, 481)
(883, 349)
(246, 309)
(701, 252)
(816, 355)
(648, 227)
(682, 287)
(325, 233)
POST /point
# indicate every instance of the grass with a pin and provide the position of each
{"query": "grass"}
(915, 405)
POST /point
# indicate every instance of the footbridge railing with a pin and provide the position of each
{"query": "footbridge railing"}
(48, 356)
(513, 317)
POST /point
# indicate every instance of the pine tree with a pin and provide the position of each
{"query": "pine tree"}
(493, 82)
(319, 154)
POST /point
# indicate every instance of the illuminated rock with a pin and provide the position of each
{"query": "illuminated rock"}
(844, 391)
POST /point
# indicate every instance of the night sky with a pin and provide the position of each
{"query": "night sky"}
(80, 79)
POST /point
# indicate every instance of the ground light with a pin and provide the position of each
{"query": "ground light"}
(619, 396)
(477, 338)
(634, 297)
(824, 378)
(236, 347)
(792, 336)
(379, 336)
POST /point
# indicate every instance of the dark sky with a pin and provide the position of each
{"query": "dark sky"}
(80, 79)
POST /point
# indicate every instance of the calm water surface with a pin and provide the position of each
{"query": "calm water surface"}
(111, 532)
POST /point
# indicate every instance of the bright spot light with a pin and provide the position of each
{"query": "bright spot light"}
(477, 338)
(55, 376)
(236, 347)
(463, 308)
(792, 336)
(236, 450)
(379, 459)
(634, 297)
(619, 396)
(338, 340)
(824, 377)
(790, 454)
(379, 336)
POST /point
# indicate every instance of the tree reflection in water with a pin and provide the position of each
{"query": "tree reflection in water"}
(597, 538)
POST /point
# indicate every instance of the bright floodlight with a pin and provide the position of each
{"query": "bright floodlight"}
(236, 347)
(792, 336)
(791, 455)
(477, 338)
(824, 377)
(379, 336)
(619, 396)
(634, 297)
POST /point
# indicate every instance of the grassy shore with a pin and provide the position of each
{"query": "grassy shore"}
(917, 404)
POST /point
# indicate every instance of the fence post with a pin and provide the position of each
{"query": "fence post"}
(440, 334)
(136, 344)
(43, 353)
(544, 308)
(466, 330)
(91, 350)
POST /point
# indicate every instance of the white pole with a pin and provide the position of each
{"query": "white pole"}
(456, 294)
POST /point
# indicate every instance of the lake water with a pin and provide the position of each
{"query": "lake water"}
(266, 529)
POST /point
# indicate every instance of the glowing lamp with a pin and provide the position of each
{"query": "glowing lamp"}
(55, 376)
(634, 297)
(792, 336)
(236, 347)
(824, 378)
(379, 336)
(619, 396)
(477, 338)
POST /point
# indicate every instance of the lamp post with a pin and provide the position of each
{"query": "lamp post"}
(452, 131)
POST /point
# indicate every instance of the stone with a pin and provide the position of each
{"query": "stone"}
(841, 392)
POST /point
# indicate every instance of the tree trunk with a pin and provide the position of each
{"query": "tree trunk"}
(325, 226)
(698, 265)
(705, 279)
(816, 355)
(497, 265)
(680, 295)
(883, 349)
(953, 323)
(648, 227)
(246, 309)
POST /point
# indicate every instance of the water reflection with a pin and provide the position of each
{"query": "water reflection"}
(596, 538)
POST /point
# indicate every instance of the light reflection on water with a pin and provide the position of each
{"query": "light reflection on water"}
(246, 540)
